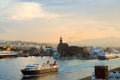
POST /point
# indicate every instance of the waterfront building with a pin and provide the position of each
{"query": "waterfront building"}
(62, 48)
(70, 51)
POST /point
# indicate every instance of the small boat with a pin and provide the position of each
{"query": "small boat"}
(56, 56)
(37, 69)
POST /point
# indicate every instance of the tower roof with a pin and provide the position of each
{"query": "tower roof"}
(61, 40)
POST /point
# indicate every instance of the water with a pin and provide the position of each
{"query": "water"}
(68, 69)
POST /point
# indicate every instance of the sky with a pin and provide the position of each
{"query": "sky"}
(48, 20)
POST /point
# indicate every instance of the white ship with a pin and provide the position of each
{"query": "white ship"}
(106, 55)
(101, 55)
(7, 53)
(37, 69)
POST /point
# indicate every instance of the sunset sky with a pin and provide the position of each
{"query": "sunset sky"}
(47, 20)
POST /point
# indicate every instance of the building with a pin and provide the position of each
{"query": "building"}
(70, 51)
(62, 48)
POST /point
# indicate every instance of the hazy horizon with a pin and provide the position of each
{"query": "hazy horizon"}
(48, 20)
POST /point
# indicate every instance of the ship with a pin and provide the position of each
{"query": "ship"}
(101, 73)
(7, 53)
(105, 55)
(102, 55)
(37, 69)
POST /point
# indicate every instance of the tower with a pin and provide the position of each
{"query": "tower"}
(62, 48)
(61, 40)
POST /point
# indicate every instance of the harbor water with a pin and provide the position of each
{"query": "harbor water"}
(72, 69)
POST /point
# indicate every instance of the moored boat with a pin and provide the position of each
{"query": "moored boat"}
(7, 54)
(37, 69)
(56, 56)
(101, 73)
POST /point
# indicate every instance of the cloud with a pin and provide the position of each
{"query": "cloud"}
(2, 30)
(30, 10)
(25, 11)
(42, 20)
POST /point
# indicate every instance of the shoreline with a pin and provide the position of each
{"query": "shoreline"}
(89, 77)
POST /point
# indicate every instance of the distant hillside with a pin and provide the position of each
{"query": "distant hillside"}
(105, 42)
(2, 40)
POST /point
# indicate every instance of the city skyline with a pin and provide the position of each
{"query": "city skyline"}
(48, 20)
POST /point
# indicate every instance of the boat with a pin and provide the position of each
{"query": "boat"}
(102, 55)
(56, 56)
(37, 69)
(101, 73)
(5, 54)
(114, 75)
(8, 53)
(105, 55)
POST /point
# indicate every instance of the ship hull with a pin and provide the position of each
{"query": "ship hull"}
(107, 56)
(102, 57)
(38, 72)
(7, 56)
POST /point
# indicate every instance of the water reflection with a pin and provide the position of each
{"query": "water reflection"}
(49, 76)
